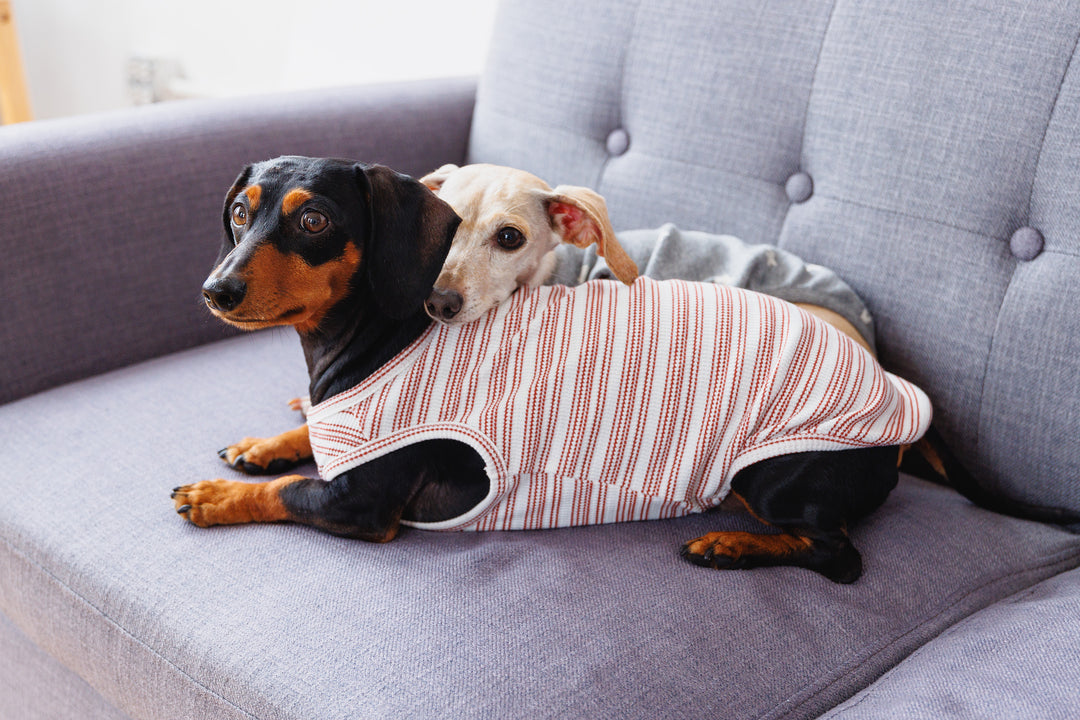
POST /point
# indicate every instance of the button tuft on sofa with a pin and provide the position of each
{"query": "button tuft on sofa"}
(618, 142)
(799, 187)
(1026, 243)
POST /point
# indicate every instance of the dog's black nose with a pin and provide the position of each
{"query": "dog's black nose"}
(444, 304)
(225, 293)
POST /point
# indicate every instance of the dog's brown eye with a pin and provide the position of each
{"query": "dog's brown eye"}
(509, 238)
(239, 214)
(313, 221)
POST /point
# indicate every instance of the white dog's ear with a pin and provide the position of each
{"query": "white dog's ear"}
(580, 216)
(434, 180)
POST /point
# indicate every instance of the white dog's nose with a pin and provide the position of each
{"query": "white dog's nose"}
(443, 304)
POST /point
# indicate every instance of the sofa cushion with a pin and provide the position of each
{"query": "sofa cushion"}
(168, 620)
(1019, 658)
(902, 144)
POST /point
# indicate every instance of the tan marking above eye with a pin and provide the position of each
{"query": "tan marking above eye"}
(253, 195)
(294, 199)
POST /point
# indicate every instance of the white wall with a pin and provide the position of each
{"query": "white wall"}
(76, 51)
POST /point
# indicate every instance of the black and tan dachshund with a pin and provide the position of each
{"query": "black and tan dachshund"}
(347, 253)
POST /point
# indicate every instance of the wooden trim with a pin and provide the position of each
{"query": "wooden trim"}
(14, 99)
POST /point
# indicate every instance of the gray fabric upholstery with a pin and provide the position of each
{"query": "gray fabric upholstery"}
(110, 223)
(167, 620)
(34, 686)
(1016, 659)
(929, 133)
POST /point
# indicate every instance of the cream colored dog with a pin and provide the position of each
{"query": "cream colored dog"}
(511, 223)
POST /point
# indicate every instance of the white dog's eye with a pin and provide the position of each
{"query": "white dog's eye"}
(509, 238)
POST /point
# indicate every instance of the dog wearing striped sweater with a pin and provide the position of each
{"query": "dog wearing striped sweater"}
(562, 406)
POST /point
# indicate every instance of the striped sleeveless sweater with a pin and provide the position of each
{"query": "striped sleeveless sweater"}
(603, 403)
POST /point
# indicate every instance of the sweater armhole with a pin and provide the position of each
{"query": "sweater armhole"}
(493, 464)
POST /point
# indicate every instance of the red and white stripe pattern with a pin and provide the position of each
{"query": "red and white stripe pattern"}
(604, 403)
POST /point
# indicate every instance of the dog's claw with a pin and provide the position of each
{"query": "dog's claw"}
(183, 509)
(222, 453)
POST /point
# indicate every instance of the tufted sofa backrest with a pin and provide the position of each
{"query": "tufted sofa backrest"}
(928, 151)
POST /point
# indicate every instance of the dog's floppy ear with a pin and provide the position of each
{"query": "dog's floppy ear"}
(580, 216)
(238, 185)
(411, 232)
(434, 180)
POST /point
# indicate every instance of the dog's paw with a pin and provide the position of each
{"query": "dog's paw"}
(256, 456)
(229, 502)
(836, 559)
(742, 549)
(712, 550)
(269, 456)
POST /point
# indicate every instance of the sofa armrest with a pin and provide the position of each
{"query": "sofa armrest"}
(109, 223)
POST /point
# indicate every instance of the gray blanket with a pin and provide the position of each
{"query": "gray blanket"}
(670, 253)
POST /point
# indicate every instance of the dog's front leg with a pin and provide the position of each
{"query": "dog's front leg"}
(231, 502)
(365, 503)
(269, 456)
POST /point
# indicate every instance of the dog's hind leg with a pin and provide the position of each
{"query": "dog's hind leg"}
(811, 499)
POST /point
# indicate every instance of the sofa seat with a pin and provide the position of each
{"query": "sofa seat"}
(166, 620)
(1018, 658)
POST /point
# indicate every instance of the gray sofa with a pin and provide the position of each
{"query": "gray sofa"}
(929, 152)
